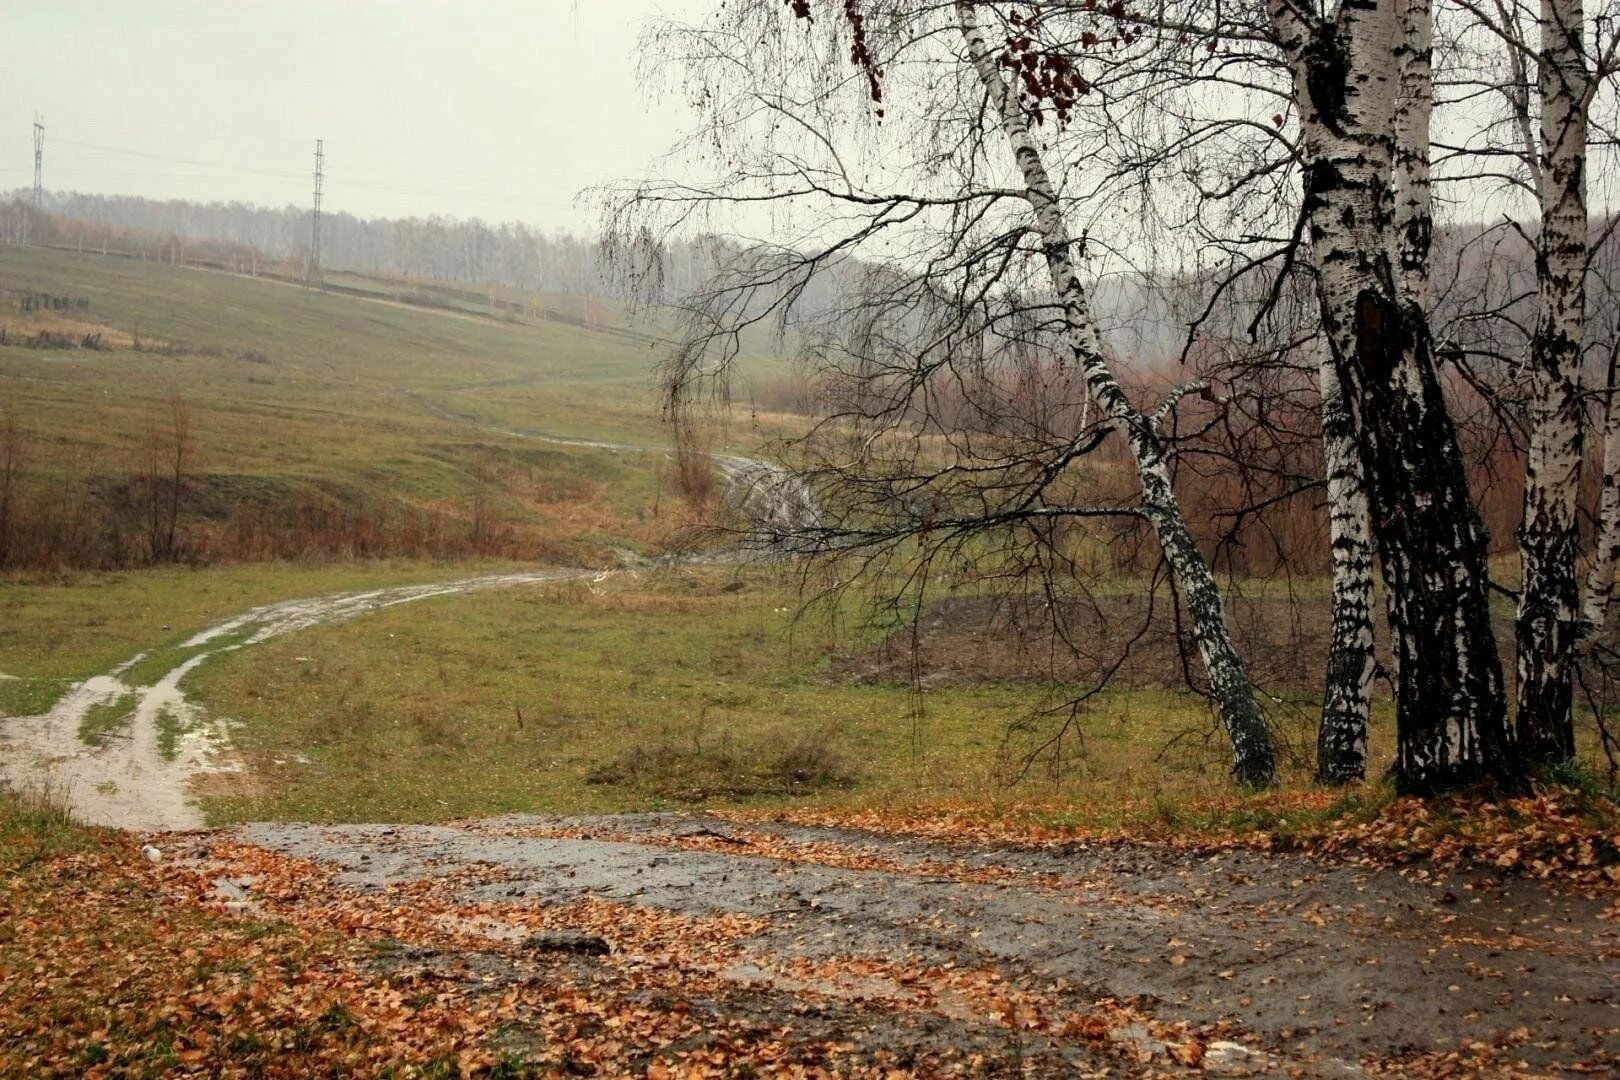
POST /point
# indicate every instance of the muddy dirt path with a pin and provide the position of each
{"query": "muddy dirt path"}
(1065, 961)
(124, 779)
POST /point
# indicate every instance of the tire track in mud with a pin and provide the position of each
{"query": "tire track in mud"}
(126, 780)
(775, 502)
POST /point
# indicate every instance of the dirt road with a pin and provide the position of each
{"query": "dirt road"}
(124, 780)
(1056, 961)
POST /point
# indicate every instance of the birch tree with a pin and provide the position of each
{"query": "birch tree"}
(1252, 755)
(1366, 198)
(1545, 66)
(1549, 601)
(1341, 745)
(952, 236)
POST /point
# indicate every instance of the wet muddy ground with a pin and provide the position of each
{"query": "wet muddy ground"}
(126, 781)
(1080, 959)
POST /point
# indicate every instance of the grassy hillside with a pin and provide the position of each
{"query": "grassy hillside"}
(329, 354)
(297, 397)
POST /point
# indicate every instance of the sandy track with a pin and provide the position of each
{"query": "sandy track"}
(126, 781)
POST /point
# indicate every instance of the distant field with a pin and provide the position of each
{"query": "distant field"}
(327, 353)
(296, 395)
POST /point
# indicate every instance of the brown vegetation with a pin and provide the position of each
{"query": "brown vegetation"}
(62, 510)
(1248, 473)
(692, 768)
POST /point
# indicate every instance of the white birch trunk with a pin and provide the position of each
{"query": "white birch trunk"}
(1549, 613)
(1606, 557)
(1451, 716)
(1414, 104)
(1253, 761)
(1341, 742)
(1341, 748)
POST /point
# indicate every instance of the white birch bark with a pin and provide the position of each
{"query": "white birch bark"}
(1606, 556)
(1451, 715)
(1414, 104)
(1341, 750)
(1253, 761)
(1549, 613)
(1341, 742)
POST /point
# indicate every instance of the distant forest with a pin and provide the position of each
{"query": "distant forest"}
(1139, 318)
(1144, 315)
(435, 248)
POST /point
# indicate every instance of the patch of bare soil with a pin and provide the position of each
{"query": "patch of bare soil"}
(864, 950)
(1014, 639)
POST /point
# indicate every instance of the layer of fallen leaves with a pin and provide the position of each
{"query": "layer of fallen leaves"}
(111, 965)
(660, 955)
(108, 966)
(1553, 834)
(1558, 834)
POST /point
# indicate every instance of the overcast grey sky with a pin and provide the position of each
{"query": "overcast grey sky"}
(500, 109)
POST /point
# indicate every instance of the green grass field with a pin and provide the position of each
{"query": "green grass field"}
(296, 395)
(59, 630)
(655, 690)
(648, 689)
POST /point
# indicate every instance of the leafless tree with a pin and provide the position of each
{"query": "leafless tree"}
(12, 441)
(1257, 148)
(969, 291)
(161, 477)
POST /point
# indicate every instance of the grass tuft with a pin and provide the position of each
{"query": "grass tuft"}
(102, 721)
(30, 697)
(169, 730)
(35, 824)
(690, 771)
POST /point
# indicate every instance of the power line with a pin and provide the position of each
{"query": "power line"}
(130, 152)
(458, 192)
(39, 161)
(314, 276)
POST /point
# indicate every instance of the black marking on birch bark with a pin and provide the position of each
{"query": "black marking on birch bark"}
(1378, 346)
(1328, 69)
(1419, 236)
